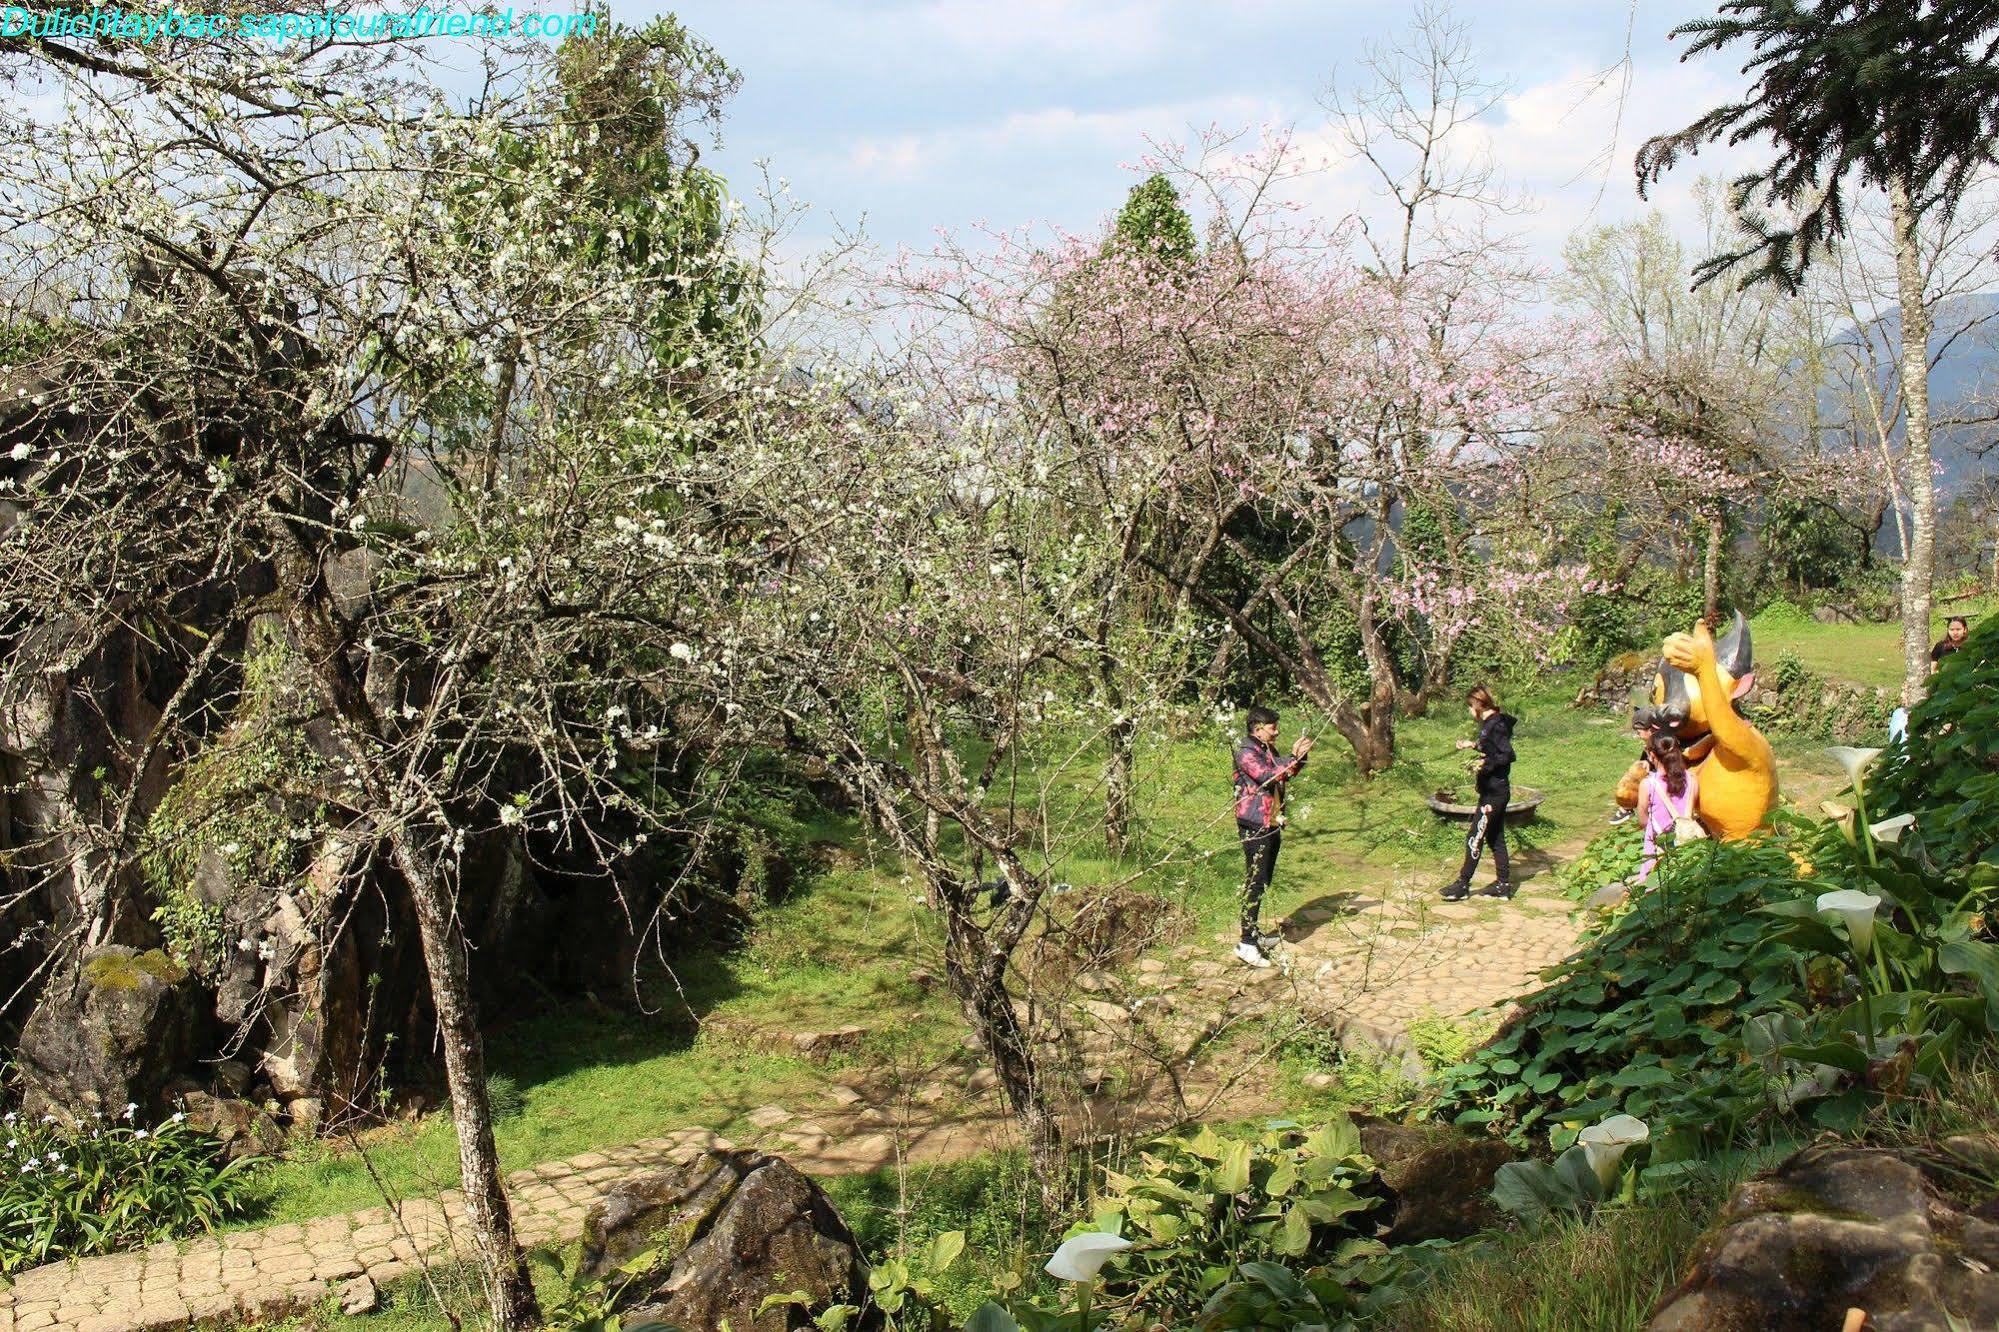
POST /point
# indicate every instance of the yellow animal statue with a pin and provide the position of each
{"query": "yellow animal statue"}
(1694, 696)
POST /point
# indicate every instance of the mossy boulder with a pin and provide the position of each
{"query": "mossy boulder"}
(113, 1029)
(1839, 1228)
(730, 1228)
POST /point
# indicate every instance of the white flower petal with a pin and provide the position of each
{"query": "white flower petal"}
(1854, 760)
(1890, 830)
(1857, 910)
(1081, 1257)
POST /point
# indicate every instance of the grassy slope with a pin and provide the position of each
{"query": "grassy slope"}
(1868, 653)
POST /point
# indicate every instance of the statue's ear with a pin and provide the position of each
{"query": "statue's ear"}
(1672, 693)
(1743, 685)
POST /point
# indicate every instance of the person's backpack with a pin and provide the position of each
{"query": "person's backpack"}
(1686, 828)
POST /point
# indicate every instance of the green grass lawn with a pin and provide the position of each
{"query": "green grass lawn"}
(1868, 653)
(839, 952)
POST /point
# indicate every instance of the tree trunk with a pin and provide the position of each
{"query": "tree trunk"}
(1217, 672)
(1376, 753)
(1117, 785)
(1119, 738)
(509, 1289)
(1919, 556)
(979, 981)
(1717, 526)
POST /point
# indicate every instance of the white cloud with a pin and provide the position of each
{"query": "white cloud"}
(1115, 135)
(1563, 145)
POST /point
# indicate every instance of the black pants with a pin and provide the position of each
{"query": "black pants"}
(1259, 861)
(1488, 828)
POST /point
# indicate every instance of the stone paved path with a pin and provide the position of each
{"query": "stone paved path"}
(285, 1267)
(1145, 1041)
(1403, 953)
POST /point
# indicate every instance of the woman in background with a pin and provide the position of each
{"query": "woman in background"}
(1495, 793)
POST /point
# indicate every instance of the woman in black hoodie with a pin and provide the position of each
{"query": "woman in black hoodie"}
(1495, 793)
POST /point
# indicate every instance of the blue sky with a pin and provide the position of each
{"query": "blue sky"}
(943, 113)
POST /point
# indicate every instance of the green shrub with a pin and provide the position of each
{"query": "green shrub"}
(69, 1190)
(1918, 984)
(1645, 1019)
(991, 1199)
(1946, 773)
(1196, 1207)
(1781, 614)
(1611, 857)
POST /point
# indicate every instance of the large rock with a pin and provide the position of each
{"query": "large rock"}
(732, 1228)
(1838, 1228)
(112, 1030)
(1440, 1180)
(243, 1129)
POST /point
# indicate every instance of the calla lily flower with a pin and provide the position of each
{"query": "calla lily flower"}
(1840, 815)
(1890, 830)
(1081, 1257)
(1604, 1144)
(1857, 909)
(1854, 760)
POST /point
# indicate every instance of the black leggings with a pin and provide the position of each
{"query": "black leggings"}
(1488, 828)
(1259, 862)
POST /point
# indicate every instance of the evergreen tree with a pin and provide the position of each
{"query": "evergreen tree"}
(1905, 93)
(1153, 223)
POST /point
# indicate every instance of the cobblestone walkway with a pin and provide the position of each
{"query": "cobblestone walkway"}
(285, 1267)
(1391, 958)
(1368, 965)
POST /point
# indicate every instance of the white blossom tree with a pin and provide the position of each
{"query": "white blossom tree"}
(306, 312)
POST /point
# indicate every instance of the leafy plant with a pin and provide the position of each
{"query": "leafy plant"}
(1646, 1017)
(1923, 985)
(903, 1292)
(1946, 773)
(1270, 1295)
(72, 1189)
(1197, 1207)
(1586, 1173)
(589, 1304)
(1611, 857)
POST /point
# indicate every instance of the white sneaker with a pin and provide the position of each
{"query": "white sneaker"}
(1269, 942)
(1252, 955)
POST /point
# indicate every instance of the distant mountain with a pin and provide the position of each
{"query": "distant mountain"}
(1964, 379)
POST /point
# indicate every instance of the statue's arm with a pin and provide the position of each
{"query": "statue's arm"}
(1694, 654)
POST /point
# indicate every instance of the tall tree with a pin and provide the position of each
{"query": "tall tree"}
(1720, 378)
(1902, 95)
(465, 370)
(1153, 224)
